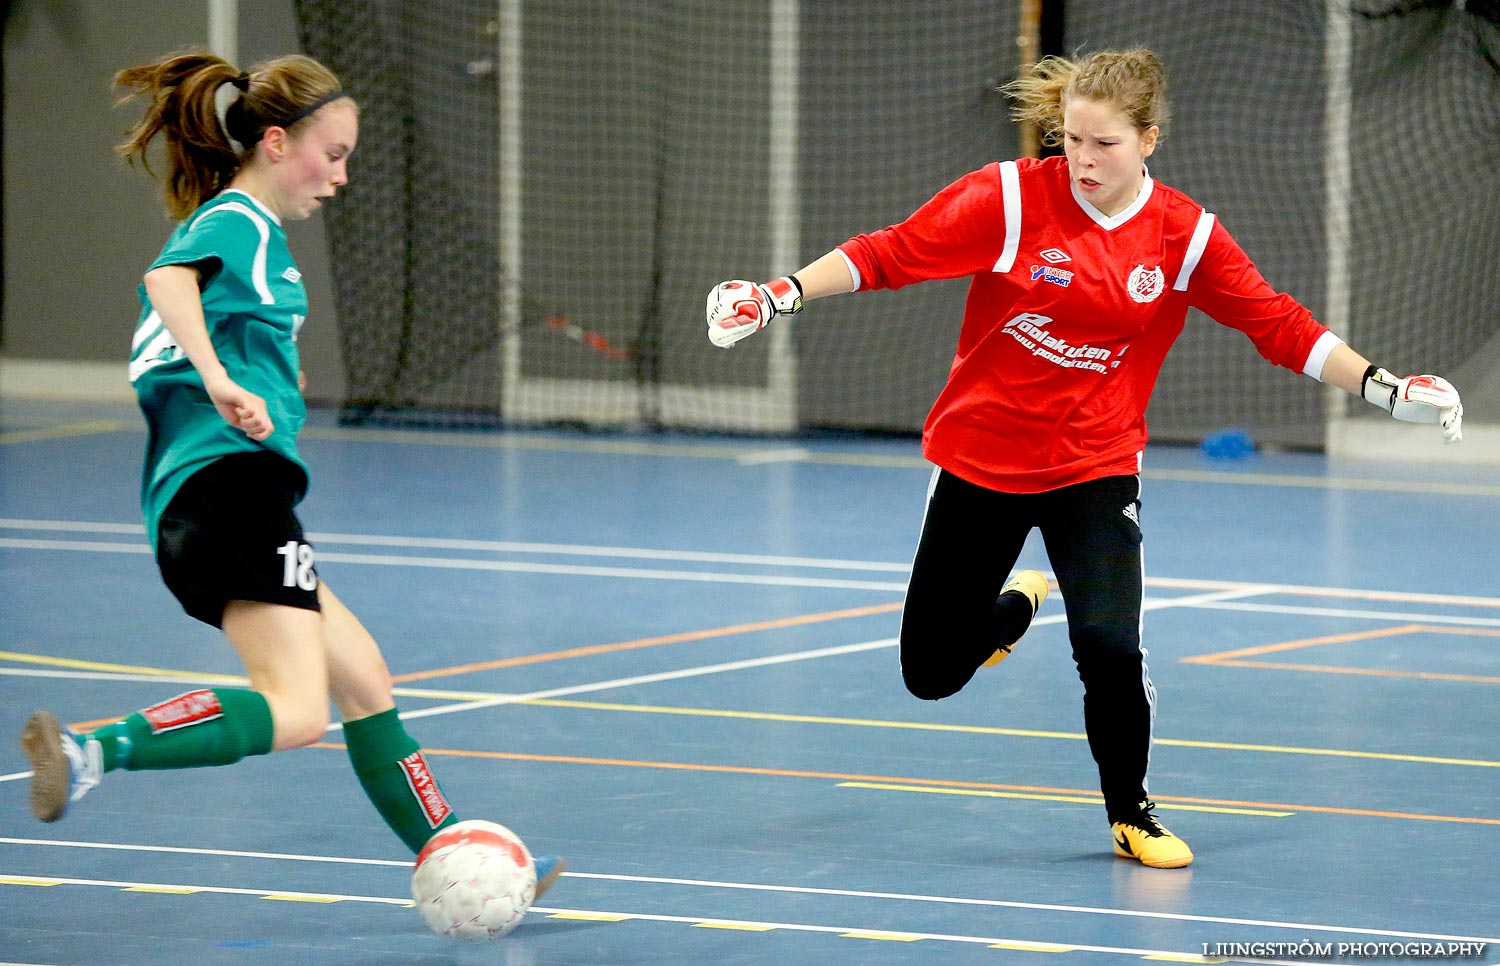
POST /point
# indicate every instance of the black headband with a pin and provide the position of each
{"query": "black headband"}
(309, 109)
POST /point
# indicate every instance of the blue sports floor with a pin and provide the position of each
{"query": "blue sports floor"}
(671, 660)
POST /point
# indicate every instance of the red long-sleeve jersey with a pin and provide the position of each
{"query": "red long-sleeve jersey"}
(1069, 315)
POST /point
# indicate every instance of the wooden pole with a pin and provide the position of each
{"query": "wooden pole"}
(1029, 44)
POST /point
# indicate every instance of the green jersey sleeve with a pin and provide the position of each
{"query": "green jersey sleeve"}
(228, 244)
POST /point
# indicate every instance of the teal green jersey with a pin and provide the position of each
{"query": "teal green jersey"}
(253, 304)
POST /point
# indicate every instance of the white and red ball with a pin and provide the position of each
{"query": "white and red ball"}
(474, 881)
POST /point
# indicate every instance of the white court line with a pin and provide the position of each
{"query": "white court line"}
(768, 580)
(71, 526)
(1040, 906)
(621, 916)
(642, 553)
(639, 553)
(184, 850)
(223, 890)
(90, 546)
(503, 566)
(505, 546)
(649, 678)
(1215, 600)
(796, 890)
(633, 573)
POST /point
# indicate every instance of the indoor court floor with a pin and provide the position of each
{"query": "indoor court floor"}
(671, 660)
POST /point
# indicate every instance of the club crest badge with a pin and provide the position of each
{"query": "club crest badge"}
(1145, 284)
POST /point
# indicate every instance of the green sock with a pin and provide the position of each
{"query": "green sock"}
(396, 778)
(196, 729)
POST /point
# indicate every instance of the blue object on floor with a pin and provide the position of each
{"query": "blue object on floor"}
(1228, 444)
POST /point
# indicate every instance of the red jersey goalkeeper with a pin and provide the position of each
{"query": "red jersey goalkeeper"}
(1081, 270)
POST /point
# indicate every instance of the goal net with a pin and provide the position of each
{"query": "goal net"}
(545, 192)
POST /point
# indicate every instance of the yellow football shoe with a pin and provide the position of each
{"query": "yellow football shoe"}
(1147, 841)
(1031, 585)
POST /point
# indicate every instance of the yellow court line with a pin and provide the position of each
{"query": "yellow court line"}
(1328, 752)
(741, 926)
(204, 676)
(1364, 671)
(90, 427)
(1079, 799)
(1034, 947)
(801, 718)
(890, 937)
(898, 780)
(774, 716)
(1004, 732)
(805, 719)
(121, 668)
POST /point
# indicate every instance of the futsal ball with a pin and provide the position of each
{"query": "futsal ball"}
(474, 881)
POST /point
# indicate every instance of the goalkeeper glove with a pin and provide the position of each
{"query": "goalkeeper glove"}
(738, 308)
(1416, 399)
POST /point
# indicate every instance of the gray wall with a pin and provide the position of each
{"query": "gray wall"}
(80, 227)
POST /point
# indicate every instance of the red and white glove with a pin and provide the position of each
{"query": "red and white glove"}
(738, 308)
(1416, 399)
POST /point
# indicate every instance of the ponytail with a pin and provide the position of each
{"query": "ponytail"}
(200, 158)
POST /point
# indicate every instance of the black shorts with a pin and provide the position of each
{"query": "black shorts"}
(230, 533)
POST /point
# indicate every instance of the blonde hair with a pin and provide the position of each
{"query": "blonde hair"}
(201, 157)
(1134, 79)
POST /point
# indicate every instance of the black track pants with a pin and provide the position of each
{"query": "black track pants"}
(953, 621)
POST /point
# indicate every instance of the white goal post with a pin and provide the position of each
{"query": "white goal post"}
(769, 408)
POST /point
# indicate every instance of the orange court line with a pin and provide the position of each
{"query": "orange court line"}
(91, 725)
(1308, 642)
(1232, 658)
(945, 783)
(572, 652)
(1368, 671)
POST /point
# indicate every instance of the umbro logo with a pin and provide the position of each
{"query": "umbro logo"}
(1055, 256)
(291, 275)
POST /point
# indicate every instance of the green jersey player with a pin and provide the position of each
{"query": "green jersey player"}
(215, 367)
